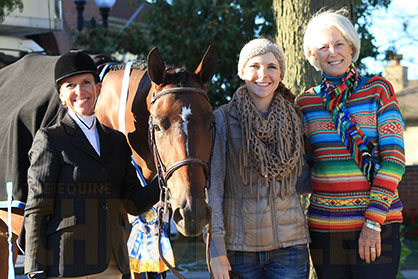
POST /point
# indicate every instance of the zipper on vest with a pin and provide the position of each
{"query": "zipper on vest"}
(273, 217)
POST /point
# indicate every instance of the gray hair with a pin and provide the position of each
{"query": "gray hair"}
(324, 20)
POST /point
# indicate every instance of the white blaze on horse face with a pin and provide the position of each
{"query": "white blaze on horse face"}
(186, 112)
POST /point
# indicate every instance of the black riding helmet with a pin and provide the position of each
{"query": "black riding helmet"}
(74, 63)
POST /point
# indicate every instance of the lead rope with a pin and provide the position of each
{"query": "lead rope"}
(208, 236)
(208, 246)
(163, 217)
(164, 174)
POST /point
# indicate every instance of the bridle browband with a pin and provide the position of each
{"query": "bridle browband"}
(180, 90)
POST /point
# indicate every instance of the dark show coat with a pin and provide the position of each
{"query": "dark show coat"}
(72, 216)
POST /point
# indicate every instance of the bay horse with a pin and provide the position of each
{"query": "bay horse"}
(173, 106)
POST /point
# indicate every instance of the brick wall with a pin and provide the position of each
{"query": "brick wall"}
(69, 14)
(408, 188)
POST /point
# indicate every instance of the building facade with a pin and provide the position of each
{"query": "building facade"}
(49, 26)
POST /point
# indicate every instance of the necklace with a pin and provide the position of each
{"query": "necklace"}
(84, 123)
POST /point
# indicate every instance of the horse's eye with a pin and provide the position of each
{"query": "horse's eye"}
(156, 127)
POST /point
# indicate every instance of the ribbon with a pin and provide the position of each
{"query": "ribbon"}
(143, 246)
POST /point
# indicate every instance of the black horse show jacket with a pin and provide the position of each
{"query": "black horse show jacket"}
(73, 221)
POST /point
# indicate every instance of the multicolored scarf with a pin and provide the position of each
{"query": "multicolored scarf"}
(334, 99)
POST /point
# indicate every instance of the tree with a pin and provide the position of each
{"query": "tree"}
(183, 29)
(362, 12)
(111, 42)
(291, 19)
(7, 6)
(403, 39)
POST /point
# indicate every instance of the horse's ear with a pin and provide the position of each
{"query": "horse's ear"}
(207, 66)
(156, 66)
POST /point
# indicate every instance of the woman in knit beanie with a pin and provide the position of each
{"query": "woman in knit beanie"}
(258, 226)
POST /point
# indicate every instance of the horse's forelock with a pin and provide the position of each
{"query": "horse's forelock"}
(181, 77)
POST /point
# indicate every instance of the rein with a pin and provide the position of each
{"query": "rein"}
(164, 174)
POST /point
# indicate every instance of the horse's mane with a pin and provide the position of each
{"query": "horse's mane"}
(137, 65)
(180, 73)
(142, 65)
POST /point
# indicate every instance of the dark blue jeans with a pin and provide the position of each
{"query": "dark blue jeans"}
(335, 255)
(284, 263)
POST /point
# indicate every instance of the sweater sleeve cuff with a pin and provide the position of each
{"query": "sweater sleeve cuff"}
(217, 246)
(380, 202)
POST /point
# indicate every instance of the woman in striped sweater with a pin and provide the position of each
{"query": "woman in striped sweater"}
(355, 131)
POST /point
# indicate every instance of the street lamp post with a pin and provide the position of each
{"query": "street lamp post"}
(105, 6)
(80, 8)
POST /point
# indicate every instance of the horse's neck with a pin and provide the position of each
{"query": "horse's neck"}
(139, 104)
(140, 89)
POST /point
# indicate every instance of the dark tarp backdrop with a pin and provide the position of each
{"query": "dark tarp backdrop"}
(29, 101)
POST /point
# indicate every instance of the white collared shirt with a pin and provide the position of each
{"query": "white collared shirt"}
(91, 134)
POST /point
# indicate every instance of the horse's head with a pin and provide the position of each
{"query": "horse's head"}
(181, 132)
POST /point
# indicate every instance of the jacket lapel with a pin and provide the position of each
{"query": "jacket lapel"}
(105, 143)
(80, 141)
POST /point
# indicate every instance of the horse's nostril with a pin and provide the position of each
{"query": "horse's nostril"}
(191, 219)
(177, 216)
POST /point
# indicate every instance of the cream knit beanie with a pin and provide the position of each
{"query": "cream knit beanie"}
(260, 46)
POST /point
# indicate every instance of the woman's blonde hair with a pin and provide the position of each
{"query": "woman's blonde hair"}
(324, 20)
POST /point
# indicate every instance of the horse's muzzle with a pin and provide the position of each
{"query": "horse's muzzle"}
(191, 219)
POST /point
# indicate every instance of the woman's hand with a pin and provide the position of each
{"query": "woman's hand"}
(220, 267)
(369, 244)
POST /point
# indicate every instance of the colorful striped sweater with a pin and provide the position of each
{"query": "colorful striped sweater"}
(342, 197)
